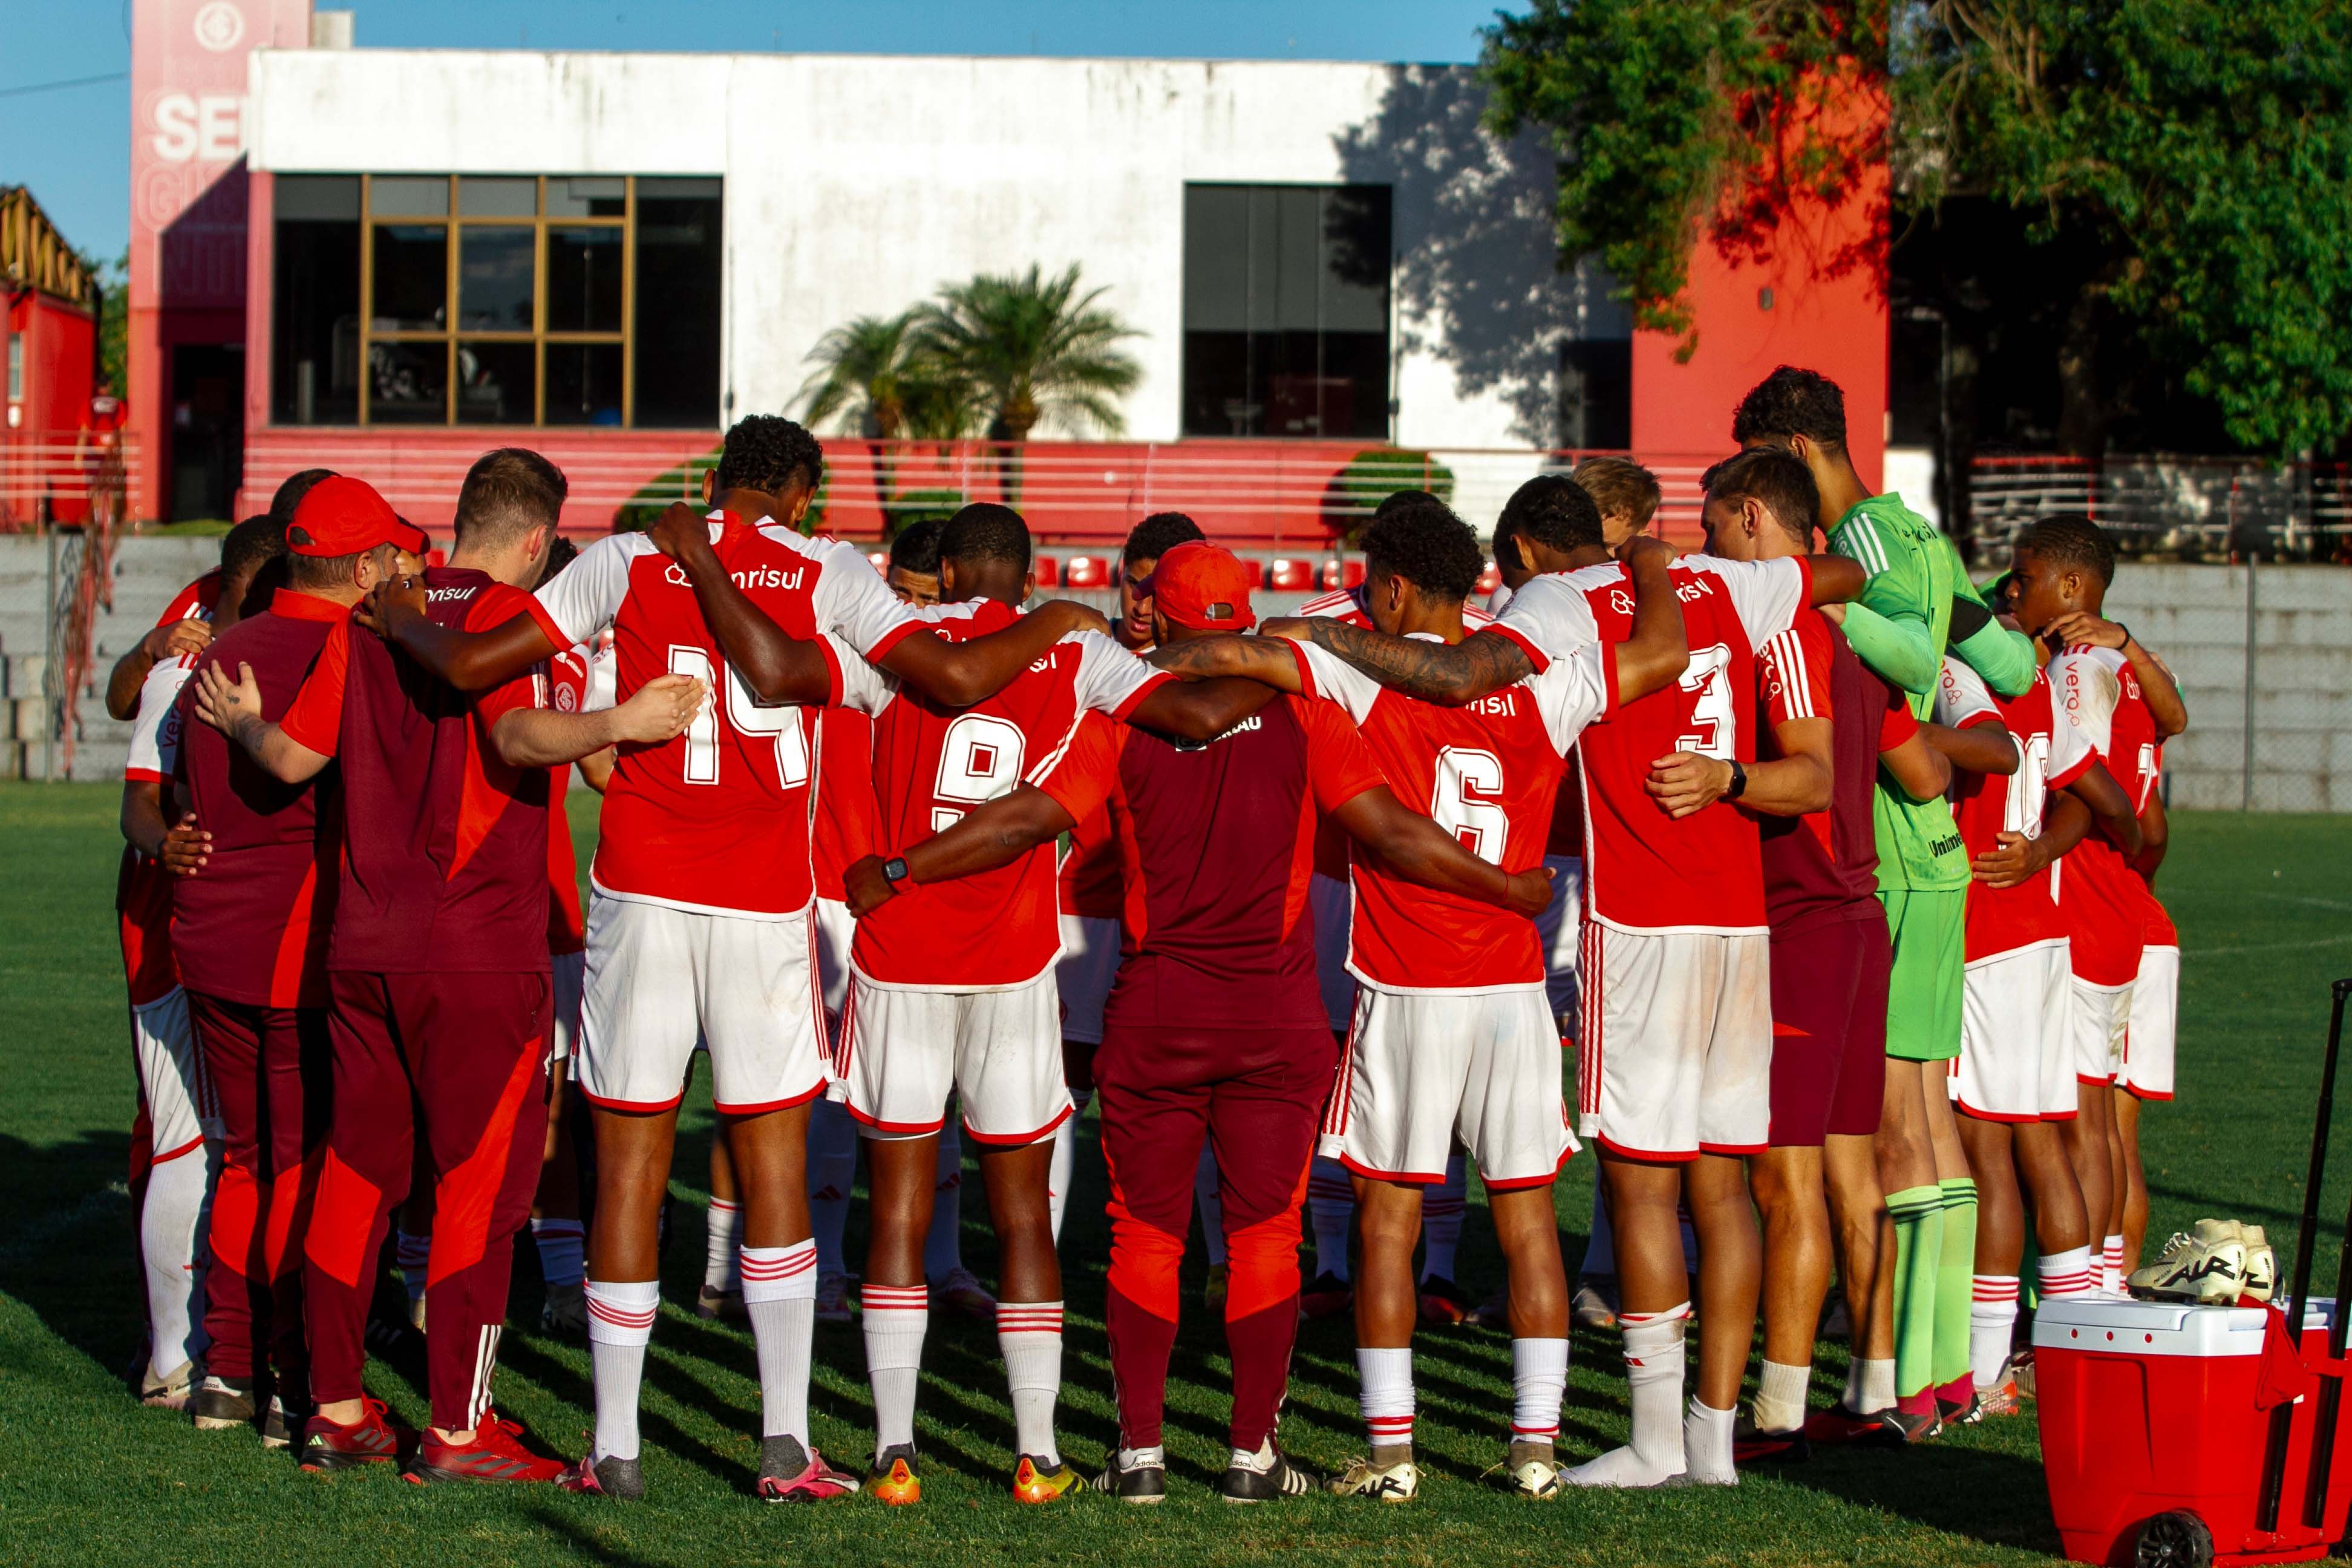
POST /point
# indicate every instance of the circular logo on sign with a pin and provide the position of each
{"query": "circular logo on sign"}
(219, 25)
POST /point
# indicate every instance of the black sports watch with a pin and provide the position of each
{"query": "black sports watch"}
(894, 871)
(1737, 787)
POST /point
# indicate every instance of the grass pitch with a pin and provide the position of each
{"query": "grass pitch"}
(88, 1477)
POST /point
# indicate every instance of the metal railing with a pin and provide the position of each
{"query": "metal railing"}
(51, 475)
(2183, 507)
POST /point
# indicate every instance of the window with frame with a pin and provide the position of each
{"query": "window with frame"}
(496, 299)
(1286, 311)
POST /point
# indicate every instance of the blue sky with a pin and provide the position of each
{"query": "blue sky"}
(72, 145)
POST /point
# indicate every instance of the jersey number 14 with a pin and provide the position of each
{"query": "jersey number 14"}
(749, 717)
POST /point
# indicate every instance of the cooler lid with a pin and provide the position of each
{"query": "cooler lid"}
(2148, 1328)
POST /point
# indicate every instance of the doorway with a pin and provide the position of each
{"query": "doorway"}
(207, 429)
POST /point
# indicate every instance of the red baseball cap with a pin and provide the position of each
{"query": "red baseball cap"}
(342, 516)
(1203, 586)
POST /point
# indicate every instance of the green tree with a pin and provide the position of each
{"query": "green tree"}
(1036, 350)
(2201, 152)
(874, 371)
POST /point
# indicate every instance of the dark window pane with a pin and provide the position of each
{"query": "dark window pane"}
(597, 197)
(498, 198)
(314, 372)
(583, 279)
(408, 197)
(412, 278)
(1596, 393)
(496, 382)
(677, 329)
(1355, 273)
(584, 384)
(1216, 385)
(408, 384)
(493, 277)
(319, 196)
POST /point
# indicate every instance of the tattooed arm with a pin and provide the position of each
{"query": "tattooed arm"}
(1436, 672)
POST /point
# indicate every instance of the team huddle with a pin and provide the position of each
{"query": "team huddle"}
(1832, 871)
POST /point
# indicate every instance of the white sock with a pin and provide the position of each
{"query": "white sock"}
(2067, 1273)
(1869, 1386)
(620, 1322)
(1654, 1375)
(1385, 1394)
(1538, 1380)
(1029, 1338)
(1706, 1445)
(1992, 1319)
(895, 1317)
(1332, 1204)
(1064, 1168)
(721, 1227)
(1781, 1396)
(943, 1248)
(1601, 1242)
(2111, 1266)
(779, 1297)
(170, 1217)
(1440, 1218)
(1211, 1208)
(832, 1172)
(412, 1253)
(561, 1245)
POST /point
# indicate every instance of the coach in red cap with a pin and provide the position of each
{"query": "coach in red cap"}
(251, 926)
(1215, 1028)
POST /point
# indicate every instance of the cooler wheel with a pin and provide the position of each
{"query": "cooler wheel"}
(2174, 1540)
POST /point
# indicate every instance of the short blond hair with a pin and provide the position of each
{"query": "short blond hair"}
(1620, 485)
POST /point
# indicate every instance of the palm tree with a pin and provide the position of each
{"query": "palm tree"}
(1037, 350)
(862, 373)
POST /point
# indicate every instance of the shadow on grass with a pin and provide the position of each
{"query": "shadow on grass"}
(1978, 1494)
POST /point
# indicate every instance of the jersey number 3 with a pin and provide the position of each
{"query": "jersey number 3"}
(1714, 718)
(749, 717)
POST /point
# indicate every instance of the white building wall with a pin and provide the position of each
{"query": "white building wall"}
(857, 186)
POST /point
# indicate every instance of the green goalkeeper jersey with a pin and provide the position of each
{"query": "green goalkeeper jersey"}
(1913, 577)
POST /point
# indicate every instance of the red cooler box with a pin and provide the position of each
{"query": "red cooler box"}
(2154, 1443)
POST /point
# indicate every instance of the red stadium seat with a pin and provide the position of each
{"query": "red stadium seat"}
(881, 559)
(1490, 579)
(1049, 570)
(1343, 574)
(1293, 577)
(1086, 572)
(1256, 569)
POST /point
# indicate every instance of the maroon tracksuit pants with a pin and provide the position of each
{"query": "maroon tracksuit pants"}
(268, 1069)
(459, 1061)
(1257, 1095)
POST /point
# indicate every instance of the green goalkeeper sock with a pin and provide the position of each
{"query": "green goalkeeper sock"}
(1955, 1280)
(1919, 1216)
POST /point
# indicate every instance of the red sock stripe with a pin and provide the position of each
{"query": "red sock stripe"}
(795, 1260)
(895, 1298)
(1028, 1320)
(1544, 1432)
(622, 1316)
(1389, 1426)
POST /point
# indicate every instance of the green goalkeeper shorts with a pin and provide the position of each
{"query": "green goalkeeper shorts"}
(1922, 1009)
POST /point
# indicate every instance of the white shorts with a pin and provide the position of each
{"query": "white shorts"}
(2017, 1036)
(835, 929)
(2102, 1017)
(182, 1110)
(1426, 1070)
(1084, 973)
(569, 974)
(660, 980)
(1558, 931)
(2149, 1022)
(1332, 907)
(1675, 1055)
(1001, 1051)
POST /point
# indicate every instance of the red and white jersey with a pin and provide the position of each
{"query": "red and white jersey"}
(2098, 893)
(143, 889)
(1487, 773)
(846, 828)
(1346, 605)
(195, 602)
(2051, 756)
(931, 765)
(718, 819)
(570, 689)
(1644, 870)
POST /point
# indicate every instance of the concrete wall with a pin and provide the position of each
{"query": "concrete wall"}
(2195, 618)
(858, 184)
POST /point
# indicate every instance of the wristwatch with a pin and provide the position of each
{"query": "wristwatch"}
(894, 871)
(1737, 787)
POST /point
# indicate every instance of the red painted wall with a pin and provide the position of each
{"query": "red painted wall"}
(1825, 274)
